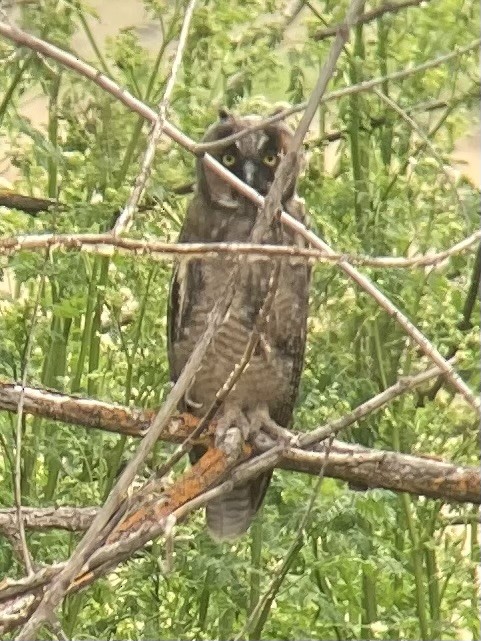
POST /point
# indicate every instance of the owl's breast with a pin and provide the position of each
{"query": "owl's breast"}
(269, 375)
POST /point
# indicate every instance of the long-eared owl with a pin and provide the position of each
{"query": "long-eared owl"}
(268, 387)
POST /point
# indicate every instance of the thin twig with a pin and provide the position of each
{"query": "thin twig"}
(427, 142)
(366, 85)
(107, 245)
(259, 613)
(342, 36)
(232, 379)
(369, 16)
(125, 219)
(373, 404)
(328, 137)
(27, 559)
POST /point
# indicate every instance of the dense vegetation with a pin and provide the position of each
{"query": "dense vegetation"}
(372, 565)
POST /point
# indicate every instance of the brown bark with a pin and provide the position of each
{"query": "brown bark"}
(372, 468)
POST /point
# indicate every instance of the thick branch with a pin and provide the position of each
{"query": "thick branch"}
(19, 598)
(346, 462)
(390, 470)
(72, 519)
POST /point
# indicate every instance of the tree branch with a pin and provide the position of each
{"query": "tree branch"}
(125, 219)
(366, 469)
(369, 16)
(416, 335)
(107, 244)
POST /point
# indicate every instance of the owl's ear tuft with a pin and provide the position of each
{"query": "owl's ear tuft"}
(224, 114)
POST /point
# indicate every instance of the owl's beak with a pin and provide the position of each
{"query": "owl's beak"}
(249, 172)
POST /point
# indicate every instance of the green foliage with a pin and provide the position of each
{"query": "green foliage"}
(372, 565)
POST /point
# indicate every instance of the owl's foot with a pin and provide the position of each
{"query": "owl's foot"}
(235, 427)
(262, 424)
(231, 432)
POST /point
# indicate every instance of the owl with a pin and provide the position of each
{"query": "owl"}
(267, 389)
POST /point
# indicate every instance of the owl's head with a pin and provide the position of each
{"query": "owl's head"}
(253, 158)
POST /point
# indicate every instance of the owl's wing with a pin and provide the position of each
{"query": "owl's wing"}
(289, 334)
(184, 286)
(291, 345)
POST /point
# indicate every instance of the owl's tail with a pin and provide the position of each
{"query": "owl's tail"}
(231, 515)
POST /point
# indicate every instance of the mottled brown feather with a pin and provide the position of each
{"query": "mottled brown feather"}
(216, 214)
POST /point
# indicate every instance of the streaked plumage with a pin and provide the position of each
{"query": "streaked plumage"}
(270, 382)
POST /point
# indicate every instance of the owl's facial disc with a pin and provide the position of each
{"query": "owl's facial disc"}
(256, 170)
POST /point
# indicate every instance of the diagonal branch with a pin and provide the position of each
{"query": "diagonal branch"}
(365, 85)
(342, 36)
(367, 285)
(416, 335)
(124, 220)
(361, 411)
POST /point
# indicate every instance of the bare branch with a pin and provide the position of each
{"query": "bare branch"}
(342, 36)
(124, 220)
(418, 475)
(366, 85)
(106, 244)
(373, 404)
(84, 549)
(28, 204)
(369, 16)
(21, 597)
(415, 127)
(123, 420)
(72, 519)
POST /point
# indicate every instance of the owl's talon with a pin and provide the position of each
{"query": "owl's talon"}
(232, 430)
(262, 421)
(231, 443)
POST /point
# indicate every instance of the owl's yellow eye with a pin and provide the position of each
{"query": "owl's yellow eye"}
(228, 160)
(270, 160)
